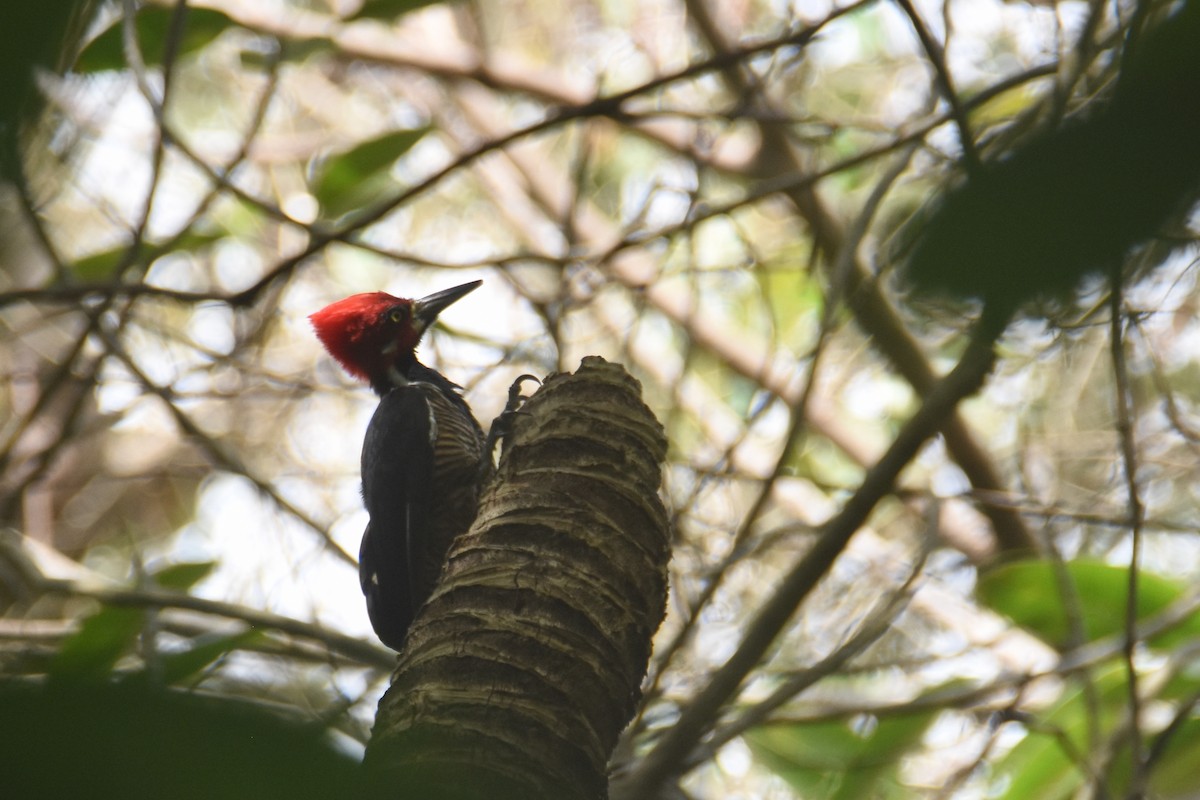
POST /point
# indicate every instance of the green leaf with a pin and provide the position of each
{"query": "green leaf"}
(833, 759)
(179, 666)
(1182, 685)
(103, 266)
(1039, 765)
(100, 267)
(93, 651)
(107, 51)
(1003, 107)
(389, 9)
(1174, 774)
(194, 240)
(1028, 593)
(183, 576)
(351, 179)
(291, 51)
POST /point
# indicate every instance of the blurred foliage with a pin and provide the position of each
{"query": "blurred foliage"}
(1045, 601)
(105, 741)
(360, 176)
(842, 759)
(45, 37)
(389, 9)
(1075, 199)
(731, 230)
(198, 27)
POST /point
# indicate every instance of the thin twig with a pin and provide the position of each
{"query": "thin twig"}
(937, 58)
(1129, 463)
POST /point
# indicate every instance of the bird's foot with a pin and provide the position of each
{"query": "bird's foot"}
(502, 425)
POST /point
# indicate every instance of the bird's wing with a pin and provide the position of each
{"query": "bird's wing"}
(397, 471)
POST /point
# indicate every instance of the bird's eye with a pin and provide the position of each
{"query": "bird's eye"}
(398, 314)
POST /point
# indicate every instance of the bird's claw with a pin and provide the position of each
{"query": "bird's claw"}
(502, 425)
(515, 398)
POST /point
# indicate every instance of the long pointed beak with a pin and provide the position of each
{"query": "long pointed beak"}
(426, 310)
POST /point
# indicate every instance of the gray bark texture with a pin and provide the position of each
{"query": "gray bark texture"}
(526, 663)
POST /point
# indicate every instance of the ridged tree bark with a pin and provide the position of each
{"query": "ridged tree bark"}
(526, 663)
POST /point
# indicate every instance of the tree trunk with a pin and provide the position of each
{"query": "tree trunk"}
(526, 663)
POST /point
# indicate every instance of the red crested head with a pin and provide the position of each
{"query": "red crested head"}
(374, 335)
(365, 332)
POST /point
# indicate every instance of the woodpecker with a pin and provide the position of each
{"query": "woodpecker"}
(424, 458)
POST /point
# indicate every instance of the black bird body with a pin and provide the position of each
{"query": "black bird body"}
(424, 458)
(422, 466)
